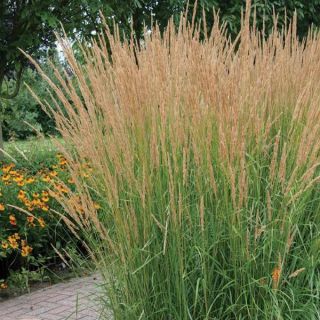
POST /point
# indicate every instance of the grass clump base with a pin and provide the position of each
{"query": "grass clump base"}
(205, 157)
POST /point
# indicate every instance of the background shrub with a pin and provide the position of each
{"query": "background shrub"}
(32, 232)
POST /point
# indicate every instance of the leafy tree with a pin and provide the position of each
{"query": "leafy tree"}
(30, 25)
(23, 114)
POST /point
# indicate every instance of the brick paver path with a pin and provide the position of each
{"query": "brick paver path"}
(73, 300)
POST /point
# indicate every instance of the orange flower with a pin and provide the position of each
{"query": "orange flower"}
(30, 220)
(63, 162)
(12, 220)
(2, 208)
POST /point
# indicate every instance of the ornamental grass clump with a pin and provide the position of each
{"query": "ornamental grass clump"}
(205, 157)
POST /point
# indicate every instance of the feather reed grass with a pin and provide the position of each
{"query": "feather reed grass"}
(205, 158)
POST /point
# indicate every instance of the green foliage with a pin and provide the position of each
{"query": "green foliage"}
(20, 281)
(28, 217)
(30, 227)
(230, 13)
(23, 116)
(32, 154)
(30, 25)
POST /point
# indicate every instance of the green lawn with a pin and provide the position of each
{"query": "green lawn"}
(31, 153)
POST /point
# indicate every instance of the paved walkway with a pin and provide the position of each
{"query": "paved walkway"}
(73, 300)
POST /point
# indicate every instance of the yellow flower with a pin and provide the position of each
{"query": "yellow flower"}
(36, 195)
(3, 285)
(44, 207)
(45, 199)
(14, 245)
(2, 208)
(85, 174)
(7, 168)
(41, 222)
(20, 183)
(13, 242)
(45, 193)
(96, 205)
(36, 202)
(46, 178)
(6, 177)
(27, 202)
(26, 250)
(18, 178)
(30, 180)
(53, 174)
(21, 195)
(4, 245)
(63, 162)
(61, 188)
(16, 236)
